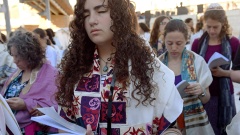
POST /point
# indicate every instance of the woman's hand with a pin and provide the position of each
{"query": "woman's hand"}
(16, 103)
(194, 89)
(219, 72)
(89, 130)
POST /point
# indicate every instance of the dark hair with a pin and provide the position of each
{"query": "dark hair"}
(11, 34)
(50, 34)
(28, 48)
(4, 38)
(79, 58)
(188, 20)
(199, 26)
(220, 16)
(155, 33)
(144, 27)
(40, 32)
(176, 25)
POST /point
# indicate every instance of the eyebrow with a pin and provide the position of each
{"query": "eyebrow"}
(96, 8)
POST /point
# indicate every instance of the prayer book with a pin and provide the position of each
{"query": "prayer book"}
(7, 118)
(216, 60)
(181, 86)
(53, 119)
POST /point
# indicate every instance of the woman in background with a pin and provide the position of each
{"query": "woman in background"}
(32, 85)
(221, 107)
(191, 67)
(144, 31)
(49, 51)
(156, 39)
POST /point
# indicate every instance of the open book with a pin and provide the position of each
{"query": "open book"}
(7, 118)
(181, 86)
(53, 119)
(216, 60)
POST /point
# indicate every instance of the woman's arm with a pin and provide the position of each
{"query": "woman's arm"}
(235, 75)
(196, 89)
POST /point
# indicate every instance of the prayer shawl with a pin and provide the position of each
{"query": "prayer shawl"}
(39, 92)
(7, 67)
(194, 69)
(91, 99)
(225, 106)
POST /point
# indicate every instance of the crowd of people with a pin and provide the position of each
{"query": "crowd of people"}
(119, 77)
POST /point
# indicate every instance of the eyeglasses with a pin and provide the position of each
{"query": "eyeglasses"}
(163, 23)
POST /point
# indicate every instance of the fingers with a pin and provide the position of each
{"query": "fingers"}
(194, 89)
(89, 130)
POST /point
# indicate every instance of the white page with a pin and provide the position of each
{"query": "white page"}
(10, 119)
(46, 120)
(181, 86)
(50, 111)
(2, 123)
(216, 60)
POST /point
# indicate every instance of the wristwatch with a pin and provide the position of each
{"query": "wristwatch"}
(202, 95)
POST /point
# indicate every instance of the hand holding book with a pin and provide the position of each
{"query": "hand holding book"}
(217, 60)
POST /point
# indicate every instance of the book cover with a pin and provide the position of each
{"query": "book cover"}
(181, 86)
(216, 60)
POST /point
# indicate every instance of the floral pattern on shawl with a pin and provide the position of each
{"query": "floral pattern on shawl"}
(86, 106)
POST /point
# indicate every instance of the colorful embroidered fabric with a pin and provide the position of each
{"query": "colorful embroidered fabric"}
(90, 106)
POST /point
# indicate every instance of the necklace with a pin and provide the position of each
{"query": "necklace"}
(105, 68)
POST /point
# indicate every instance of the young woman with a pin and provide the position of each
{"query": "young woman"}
(156, 39)
(144, 31)
(110, 81)
(50, 52)
(191, 67)
(221, 107)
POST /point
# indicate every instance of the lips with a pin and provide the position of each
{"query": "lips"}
(174, 53)
(95, 30)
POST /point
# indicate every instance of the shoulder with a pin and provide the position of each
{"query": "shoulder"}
(48, 69)
(234, 40)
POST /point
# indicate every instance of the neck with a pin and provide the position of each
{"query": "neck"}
(214, 41)
(105, 51)
(174, 59)
(27, 70)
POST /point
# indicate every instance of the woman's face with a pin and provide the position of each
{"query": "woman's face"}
(98, 22)
(175, 43)
(163, 24)
(21, 63)
(190, 24)
(213, 27)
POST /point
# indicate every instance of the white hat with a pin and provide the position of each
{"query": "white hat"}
(214, 6)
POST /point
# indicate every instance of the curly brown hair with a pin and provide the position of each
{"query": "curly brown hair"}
(220, 16)
(129, 46)
(155, 33)
(28, 48)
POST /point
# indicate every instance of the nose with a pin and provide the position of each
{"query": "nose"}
(174, 47)
(211, 30)
(92, 19)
